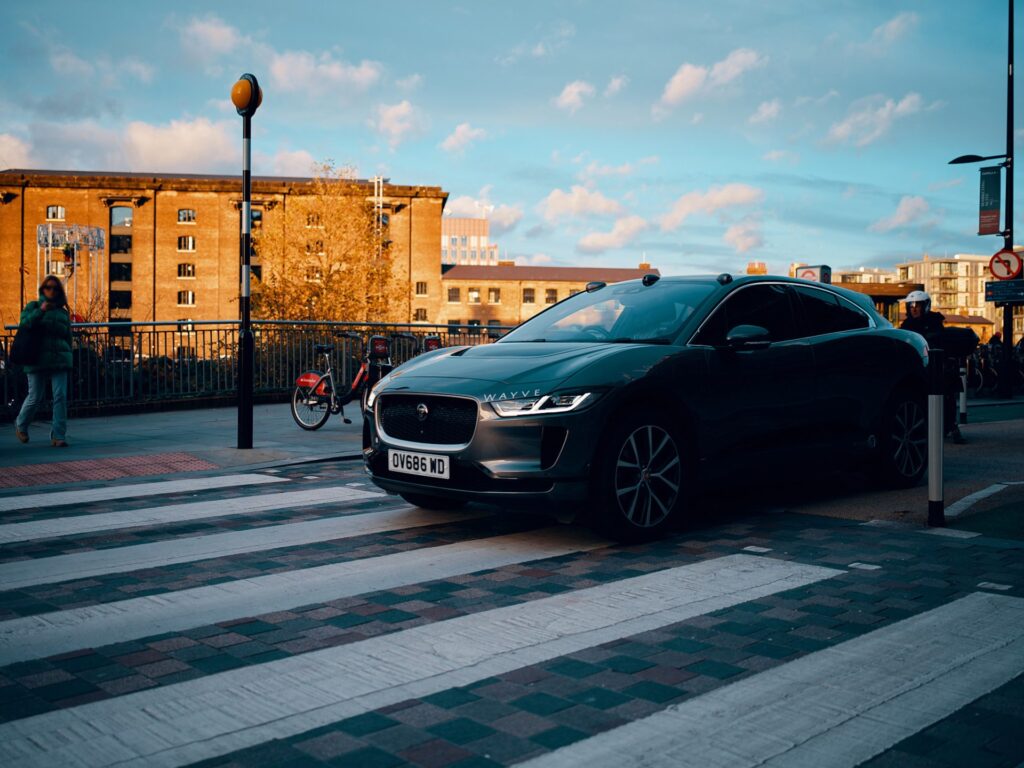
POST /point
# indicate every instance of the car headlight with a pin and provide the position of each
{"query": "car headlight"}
(534, 406)
(371, 396)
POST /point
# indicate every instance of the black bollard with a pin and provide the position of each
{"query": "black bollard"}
(936, 434)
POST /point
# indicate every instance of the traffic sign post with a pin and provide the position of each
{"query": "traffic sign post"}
(1005, 292)
(1005, 265)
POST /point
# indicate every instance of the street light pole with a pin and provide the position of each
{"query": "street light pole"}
(247, 96)
(1006, 377)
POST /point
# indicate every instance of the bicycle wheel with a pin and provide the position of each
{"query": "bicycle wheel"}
(311, 410)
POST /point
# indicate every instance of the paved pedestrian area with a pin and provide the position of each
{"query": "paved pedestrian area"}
(296, 616)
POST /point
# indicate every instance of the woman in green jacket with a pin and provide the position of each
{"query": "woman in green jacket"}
(49, 316)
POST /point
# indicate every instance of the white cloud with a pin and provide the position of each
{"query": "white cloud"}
(595, 170)
(745, 235)
(910, 210)
(826, 97)
(697, 119)
(138, 69)
(766, 111)
(410, 83)
(533, 260)
(572, 96)
(181, 145)
(397, 122)
(557, 37)
(691, 79)
(871, 118)
(206, 39)
(937, 186)
(463, 135)
(714, 199)
(296, 162)
(615, 85)
(735, 64)
(623, 232)
(884, 35)
(14, 153)
(781, 155)
(503, 218)
(578, 201)
(301, 71)
(67, 63)
(63, 61)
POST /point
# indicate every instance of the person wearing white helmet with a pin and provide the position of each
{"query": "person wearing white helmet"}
(931, 325)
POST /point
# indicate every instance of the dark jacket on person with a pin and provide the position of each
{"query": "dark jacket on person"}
(932, 325)
(54, 330)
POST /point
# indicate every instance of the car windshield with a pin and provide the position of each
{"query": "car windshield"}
(626, 312)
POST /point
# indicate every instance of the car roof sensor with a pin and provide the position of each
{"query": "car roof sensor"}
(650, 279)
(725, 278)
(596, 285)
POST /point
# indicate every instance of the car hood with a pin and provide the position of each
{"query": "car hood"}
(499, 369)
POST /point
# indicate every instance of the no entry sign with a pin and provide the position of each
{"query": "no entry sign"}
(1005, 265)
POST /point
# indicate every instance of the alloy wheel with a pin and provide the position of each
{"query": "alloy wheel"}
(648, 473)
(909, 438)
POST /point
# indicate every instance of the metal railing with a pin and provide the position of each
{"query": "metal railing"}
(139, 366)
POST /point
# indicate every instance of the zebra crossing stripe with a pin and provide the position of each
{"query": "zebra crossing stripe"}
(93, 626)
(176, 513)
(838, 707)
(135, 490)
(79, 565)
(220, 713)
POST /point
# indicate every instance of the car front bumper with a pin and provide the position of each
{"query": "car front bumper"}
(517, 461)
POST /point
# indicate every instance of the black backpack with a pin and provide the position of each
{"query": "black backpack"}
(27, 344)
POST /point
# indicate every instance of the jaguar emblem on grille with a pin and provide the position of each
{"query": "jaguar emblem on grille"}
(422, 411)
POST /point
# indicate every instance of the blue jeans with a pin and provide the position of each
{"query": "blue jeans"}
(36, 392)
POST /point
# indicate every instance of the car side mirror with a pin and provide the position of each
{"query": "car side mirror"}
(748, 337)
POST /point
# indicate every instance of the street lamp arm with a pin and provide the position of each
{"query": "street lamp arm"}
(975, 159)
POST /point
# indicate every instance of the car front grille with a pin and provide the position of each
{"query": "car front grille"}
(448, 420)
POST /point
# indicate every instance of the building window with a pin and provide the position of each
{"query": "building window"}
(257, 271)
(186, 298)
(573, 291)
(120, 272)
(185, 325)
(120, 299)
(255, 218)
(492, 329)
(551, 296)
(473, 295)
(314, 274)
(420, 316)
(120, 244)
(454, 323)
(454, 295)
(464, 241)
(186, 270)
(453, 241)
(120, 216)
(186, 215)
(385, 221)
(444, 253)
(472, 254)
(528, 296)
(465, 254)
(494, 295)
(55, 213)
(314, 220)
(474, 327)
(186, 243)
(421, 288)
(315, 248)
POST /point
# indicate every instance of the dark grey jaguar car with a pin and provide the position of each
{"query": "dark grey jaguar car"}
(618, 402)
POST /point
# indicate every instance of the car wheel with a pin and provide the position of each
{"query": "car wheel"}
(903, 446)
(639, 486)
(436, 503)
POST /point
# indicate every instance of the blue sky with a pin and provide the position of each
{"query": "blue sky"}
(703, 135)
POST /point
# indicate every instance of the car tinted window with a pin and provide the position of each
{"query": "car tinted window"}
(824, 312)
(767, 306)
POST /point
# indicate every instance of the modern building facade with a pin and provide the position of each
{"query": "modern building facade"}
(170, 241)
(467, 241)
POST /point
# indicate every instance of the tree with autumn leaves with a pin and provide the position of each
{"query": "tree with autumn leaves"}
(323, 256)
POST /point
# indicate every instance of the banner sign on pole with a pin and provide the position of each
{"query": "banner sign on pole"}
(989, 200)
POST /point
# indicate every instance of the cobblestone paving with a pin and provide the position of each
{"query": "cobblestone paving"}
(888, 574)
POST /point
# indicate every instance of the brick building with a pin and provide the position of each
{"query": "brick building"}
(466, 240)
(506, 294)
(171, 245)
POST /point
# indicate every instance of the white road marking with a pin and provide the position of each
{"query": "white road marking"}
(217, 714)
(92, 626)
(958, 508)
(865, 566)
(135, 490)
(838, 707)
(176, 513)
(757, 550)
(98, 562)
(952, 533)
(993, 585)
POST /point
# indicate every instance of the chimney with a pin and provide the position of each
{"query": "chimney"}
(644, 266)
(506, 262)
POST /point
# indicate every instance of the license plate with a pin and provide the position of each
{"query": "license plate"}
(422, 464)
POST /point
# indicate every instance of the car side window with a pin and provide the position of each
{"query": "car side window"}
(824, 312)
(767, 306)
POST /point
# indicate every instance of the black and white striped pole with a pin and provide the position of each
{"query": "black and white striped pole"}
(247, 96)
(936, 434)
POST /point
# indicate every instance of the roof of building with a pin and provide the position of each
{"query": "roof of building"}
(549, 274)
(968, 319)
(52, 177)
